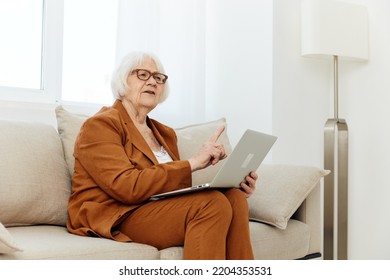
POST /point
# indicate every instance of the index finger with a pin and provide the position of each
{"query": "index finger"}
(217, 133)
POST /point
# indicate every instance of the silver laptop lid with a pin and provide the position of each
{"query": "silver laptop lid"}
(247, 156)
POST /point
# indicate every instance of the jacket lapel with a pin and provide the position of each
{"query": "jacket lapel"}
(167, 141)
(165, 137)
(136, 138)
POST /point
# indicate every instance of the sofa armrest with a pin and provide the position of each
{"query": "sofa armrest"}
(289, 191)
(310, 213)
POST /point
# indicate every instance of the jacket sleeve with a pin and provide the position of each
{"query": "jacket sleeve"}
(123, 172)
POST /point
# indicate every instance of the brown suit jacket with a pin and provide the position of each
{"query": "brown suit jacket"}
(116, 171)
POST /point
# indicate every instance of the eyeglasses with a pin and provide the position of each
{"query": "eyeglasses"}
(144, 75)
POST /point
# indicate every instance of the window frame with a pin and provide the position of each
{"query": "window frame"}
(53, 17)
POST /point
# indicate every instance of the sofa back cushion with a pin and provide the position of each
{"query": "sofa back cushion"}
(34, 180)
(190, 139)
(68, 126)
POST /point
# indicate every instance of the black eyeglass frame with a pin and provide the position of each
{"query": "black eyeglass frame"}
(156, 75)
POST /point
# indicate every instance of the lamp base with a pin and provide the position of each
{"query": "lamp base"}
(336, 190)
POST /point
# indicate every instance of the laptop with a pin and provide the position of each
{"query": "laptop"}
(246, 157)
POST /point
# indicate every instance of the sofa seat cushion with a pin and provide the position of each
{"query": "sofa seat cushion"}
(268, 242)
(7, 242)
(173, 253)
(55, 242)
(272, 243)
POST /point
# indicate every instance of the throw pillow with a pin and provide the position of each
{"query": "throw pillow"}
(68, 125)
(280, 190)
(7, 243)
(34, 180)
(191, 138)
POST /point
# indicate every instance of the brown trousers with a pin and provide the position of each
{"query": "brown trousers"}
(210, 224)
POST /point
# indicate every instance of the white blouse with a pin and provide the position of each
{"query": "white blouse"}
(162, 156)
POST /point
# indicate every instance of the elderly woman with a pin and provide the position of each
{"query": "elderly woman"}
(122, 158)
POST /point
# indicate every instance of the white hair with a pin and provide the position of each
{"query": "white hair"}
(129, 63)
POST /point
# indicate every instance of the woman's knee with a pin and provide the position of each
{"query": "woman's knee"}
(237, 199)
(215, 204)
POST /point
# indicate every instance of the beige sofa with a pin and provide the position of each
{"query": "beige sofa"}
(35, 182)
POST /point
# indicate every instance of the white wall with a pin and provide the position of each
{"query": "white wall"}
(239, 64)
(302, 103)
(10, 110)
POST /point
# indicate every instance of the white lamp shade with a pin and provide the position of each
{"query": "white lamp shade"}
(334, 28)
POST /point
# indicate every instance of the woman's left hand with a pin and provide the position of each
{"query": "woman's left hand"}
(249, 185)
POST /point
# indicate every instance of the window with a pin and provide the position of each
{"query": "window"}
(21, 45)
(30, 50)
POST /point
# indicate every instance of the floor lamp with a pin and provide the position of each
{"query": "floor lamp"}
(336, 30)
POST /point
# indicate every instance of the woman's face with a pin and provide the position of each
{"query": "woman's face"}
(144, 94)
